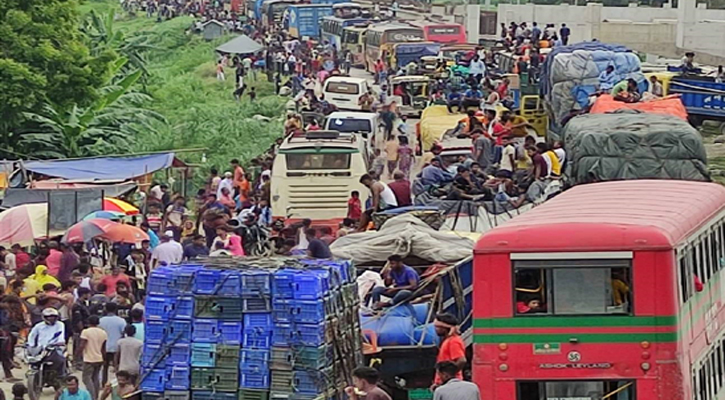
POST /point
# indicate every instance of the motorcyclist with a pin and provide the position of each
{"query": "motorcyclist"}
(49, 332)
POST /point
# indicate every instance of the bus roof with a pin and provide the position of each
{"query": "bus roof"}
(346, 79)
(385, 26)
(610, 216)
(424, 23)
(317, 140)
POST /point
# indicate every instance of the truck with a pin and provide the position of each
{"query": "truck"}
(702, 96)
(303, 20)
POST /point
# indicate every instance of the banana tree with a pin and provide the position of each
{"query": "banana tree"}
(105, 125)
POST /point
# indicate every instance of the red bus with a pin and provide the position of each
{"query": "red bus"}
(628, 280)
(441, 32)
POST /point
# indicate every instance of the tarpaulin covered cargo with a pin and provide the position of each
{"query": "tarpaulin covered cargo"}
(571, 74)
(405, 53)
(670, 105)
(633, 145)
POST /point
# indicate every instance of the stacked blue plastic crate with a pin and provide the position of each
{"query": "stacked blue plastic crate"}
(216, 333)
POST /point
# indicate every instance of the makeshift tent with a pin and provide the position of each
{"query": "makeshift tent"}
(240, 45)
(103, 168)
(670, 105)
(15, 197)
(633, 145)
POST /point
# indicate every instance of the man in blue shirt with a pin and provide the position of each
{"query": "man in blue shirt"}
(434, 174)
(472, 98)
(564, 32)
(607, 79)
(72, 391)
(453, 100)
(400, 283)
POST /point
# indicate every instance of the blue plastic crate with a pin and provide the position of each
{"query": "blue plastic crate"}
(159, 308)
(161, 282)
(282, 310)
(184, 278)
(179, 331)
(254, 378)
(254, 359)
(179, 354)
(156, 332)
(230, 332)
(256, 338)
(177, 378)
(299, 335)
(205, 330)
(284, 284)
(256, 283)
(153, 380)
(311, 285)
(152, 396)
(183, 307)
(313, 382)
(308, 311)
(256, 305)
(153, 357)
(203, 355)
(217, 282)
(206, 395)
(259, 321)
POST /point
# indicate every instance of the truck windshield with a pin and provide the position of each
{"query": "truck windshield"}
(317, 161)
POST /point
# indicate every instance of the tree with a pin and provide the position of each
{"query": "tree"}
(102, 38)
(43, 59)
(103, 127)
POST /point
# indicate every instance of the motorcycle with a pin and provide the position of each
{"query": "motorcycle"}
(40, 373)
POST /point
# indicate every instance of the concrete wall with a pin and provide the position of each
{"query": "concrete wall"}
(664, 31)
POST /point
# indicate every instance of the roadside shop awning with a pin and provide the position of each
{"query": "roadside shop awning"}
(103, 168)
(240, 45)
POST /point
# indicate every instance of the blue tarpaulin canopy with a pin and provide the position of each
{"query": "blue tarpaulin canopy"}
(103, 168)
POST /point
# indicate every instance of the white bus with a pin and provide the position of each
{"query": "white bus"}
(314, 174)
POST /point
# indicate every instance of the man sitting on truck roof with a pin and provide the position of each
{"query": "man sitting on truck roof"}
(400, 283)
(382, 198)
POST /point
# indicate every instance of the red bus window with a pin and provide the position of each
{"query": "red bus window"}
(566, 390)
(555, 287)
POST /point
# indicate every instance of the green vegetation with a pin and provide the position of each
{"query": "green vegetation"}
(109, 83)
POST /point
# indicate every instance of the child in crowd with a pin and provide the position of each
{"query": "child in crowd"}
(354, 207)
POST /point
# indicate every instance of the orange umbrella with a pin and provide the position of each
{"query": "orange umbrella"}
(123, 233)
(113, 204)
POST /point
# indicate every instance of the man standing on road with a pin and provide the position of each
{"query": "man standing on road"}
(168, 252)
(452, 347)
(452, 388)
(114, 326)
(93, 347)
(564, 34)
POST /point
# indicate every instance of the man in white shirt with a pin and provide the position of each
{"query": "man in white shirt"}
(477, 68)
(225, 183)
(9, 259)
(508, 159)
(168, 252)
(50, 331)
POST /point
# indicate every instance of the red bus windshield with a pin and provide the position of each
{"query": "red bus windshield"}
(445, 33)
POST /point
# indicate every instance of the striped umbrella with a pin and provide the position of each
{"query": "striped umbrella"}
(84, 231)
(113, 204)
(112, 215)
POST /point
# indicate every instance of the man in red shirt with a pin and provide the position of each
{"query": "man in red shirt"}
(401, 189)
(452, 347)
(21, 257)
(53, 259)
(111, 281)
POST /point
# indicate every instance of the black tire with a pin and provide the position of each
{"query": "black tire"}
(35, 388)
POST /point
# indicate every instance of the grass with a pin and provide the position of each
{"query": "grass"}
(200, 110)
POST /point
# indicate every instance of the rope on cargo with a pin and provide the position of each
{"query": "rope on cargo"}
(698, 88)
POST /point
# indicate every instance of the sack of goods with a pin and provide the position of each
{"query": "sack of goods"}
(277, 328)
(570, 75)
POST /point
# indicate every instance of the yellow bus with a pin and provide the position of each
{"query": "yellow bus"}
(314, 173)
(353, 40)
(380, 38)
